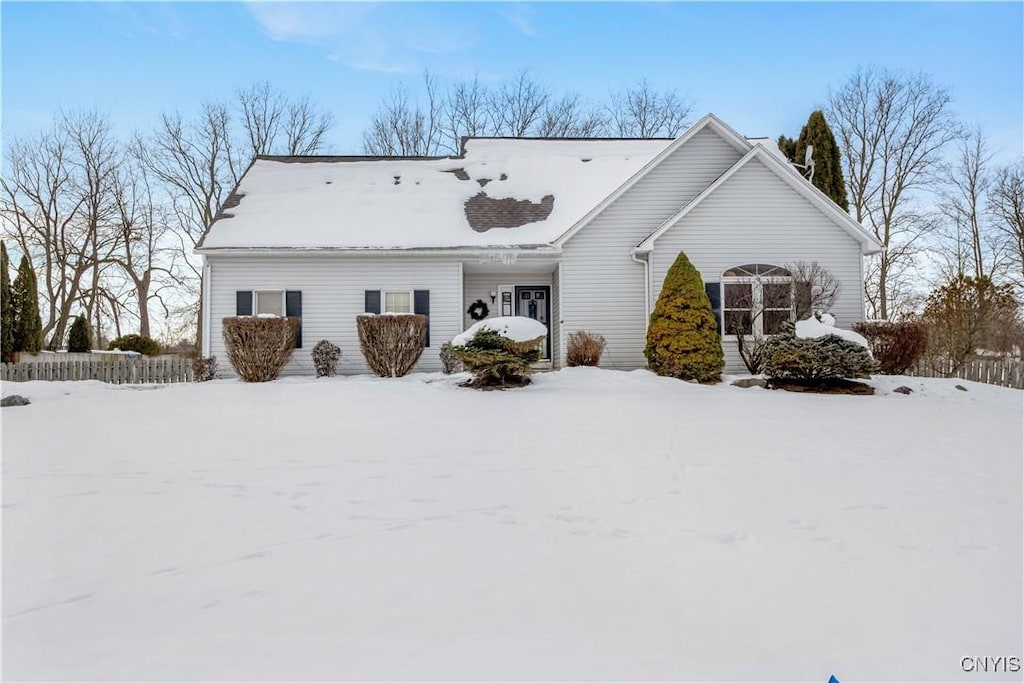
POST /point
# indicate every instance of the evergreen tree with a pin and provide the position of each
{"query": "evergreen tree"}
(28, 326)
(80, 337)
(6, 306)
(828, 169)
(682, 338)
(787, 146)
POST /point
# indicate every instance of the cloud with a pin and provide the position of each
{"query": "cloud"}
(521, 17)
(381, 37)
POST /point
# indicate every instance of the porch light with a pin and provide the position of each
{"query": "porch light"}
(494, 295)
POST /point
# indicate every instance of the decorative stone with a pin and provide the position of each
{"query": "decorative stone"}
(14, 400)
(903, 390)
(748, 382)
(961, 387)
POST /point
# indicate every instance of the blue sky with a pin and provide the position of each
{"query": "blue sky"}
(762, 67)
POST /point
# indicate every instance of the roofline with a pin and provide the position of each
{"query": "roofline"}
(466, 138)
(334, 158)
(738, 141)
(220, 209)
(869, 243)
(468, 250)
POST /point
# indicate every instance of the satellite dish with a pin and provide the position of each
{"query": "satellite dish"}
(808, 161)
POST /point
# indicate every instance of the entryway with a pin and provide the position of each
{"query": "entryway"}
(534, 301)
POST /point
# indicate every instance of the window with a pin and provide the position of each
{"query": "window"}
(270, 302)
(397, 302)
(758, 299)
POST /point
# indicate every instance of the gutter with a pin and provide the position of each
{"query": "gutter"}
(206, 308)
(647, 285)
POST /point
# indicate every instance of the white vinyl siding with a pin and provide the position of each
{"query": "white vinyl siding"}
(602, 287)
(333, 294)
(755, 217)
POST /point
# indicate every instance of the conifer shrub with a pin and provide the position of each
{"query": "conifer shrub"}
(136, 342)
(392, 344)
(204, 369)
(80, 336)
(258, 348)
(583, 348)
(28, 325)
(325, 358)
(815, 360)
(682, 338)
(497, 361)
(6, 307)
(449, 363)
(897, 346)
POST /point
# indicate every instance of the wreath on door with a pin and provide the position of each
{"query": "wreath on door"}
(478, 310)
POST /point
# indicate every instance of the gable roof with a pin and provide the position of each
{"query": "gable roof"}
(502, 192)
(707, 121)
(778, 166)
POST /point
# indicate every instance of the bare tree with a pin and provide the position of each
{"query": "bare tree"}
(1006, 204)
(465, 113)
(970, 245)
(569, 117)
(892, 129)
(517, 107)
(815, 288)
(401, 128)
(641, 111)
(273, 124)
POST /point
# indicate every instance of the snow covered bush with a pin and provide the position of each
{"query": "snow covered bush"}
(583, 348)
(500, 351)
(259, 347)
(682, 338)
(392, 344)
(813, 351)
(136, 342)
(325, 358)
(203, 369)
(896, 346)
(449, 363)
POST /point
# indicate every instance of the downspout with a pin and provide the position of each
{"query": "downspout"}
(206, 308)
(647, 286)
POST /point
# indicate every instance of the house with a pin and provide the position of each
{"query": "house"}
(576, 233)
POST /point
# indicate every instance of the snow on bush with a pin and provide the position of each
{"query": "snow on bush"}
(813, 328)
(500, 354)
(392, 344)
(816, 357)
(513, 328)
(325, 358)
(258, 348)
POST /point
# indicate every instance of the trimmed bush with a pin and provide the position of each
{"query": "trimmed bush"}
(815, 360)
(496, 360)
(136, 342)
(896, 346)
(258, 348)
(449, 363)
(583, 348)
(682, 338)
(392, 344)
(80, 336)
(325, 358)
(204, 369)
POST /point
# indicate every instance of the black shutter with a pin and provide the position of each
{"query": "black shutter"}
(421, 306)
(243, 303)
(714, 292)
(293, 309)
(372, 301)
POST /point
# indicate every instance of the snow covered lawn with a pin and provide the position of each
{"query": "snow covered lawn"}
(595, 525)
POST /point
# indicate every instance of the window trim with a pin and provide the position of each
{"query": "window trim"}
(256, 300)
(757, 283)
(384, 301)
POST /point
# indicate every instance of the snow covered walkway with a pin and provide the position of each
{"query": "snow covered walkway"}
(595, 525)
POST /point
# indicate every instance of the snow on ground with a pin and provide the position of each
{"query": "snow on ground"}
(595, 525)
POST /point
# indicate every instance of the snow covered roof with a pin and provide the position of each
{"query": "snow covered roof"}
(502, 192)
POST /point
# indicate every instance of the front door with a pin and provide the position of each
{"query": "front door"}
(535, 302)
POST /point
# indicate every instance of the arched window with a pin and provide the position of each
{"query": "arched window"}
(758, 298)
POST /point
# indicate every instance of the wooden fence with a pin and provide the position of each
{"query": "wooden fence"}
(119, 371)
(1006, 372)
